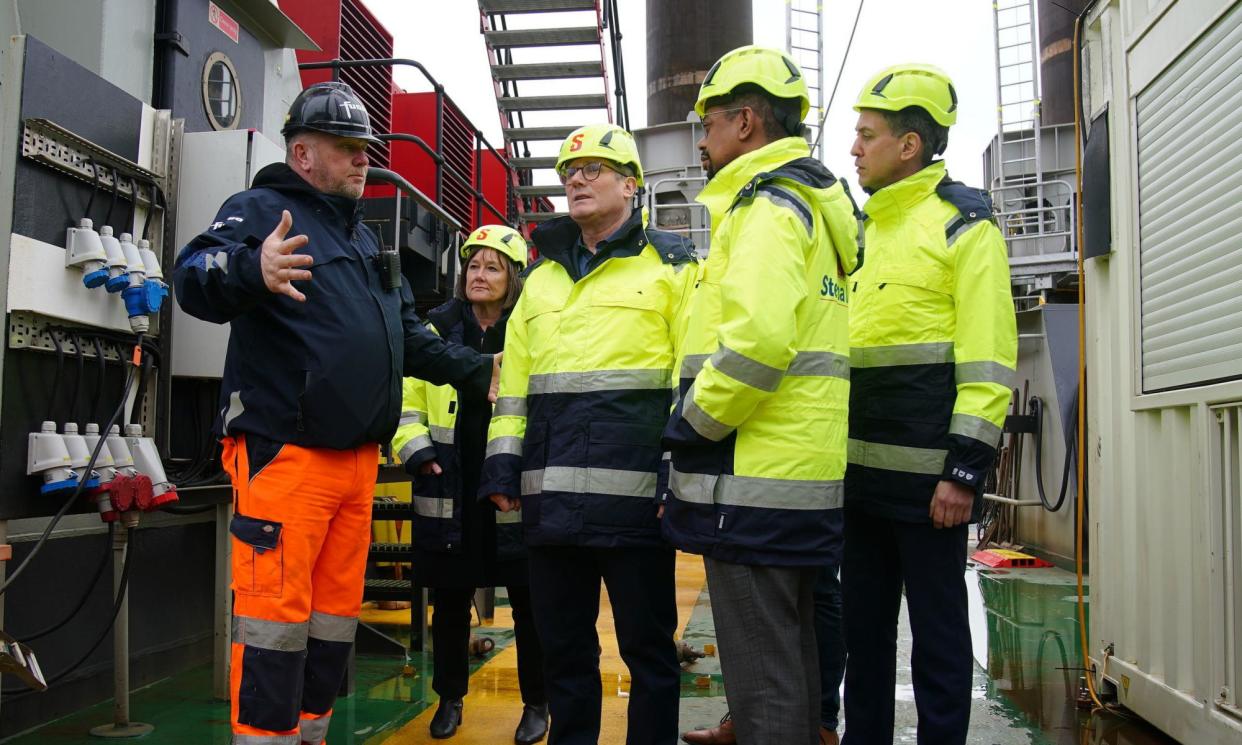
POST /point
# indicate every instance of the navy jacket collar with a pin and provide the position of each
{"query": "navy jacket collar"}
(280, 177)
(556, 239)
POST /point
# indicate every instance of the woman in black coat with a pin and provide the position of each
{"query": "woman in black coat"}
(462, 543)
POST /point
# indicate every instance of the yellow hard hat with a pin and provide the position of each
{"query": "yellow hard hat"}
(901, 86)
(603, 141)
(501, 238)
(770, 69)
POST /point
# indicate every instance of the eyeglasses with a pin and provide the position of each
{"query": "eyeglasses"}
(590, 171)
(703, 119)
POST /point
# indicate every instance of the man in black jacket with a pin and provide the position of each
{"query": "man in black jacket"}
(312, 382)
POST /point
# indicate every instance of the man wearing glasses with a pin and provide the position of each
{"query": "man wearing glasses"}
(758, 437)
(574, 442)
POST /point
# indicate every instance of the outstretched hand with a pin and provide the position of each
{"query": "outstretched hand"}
(278, 262)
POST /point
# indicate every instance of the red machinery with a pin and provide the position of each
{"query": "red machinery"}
(432, 144)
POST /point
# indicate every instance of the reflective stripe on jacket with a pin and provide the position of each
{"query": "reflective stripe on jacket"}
(585, 386)
(759, 433)
(428, 431)
(933, 345)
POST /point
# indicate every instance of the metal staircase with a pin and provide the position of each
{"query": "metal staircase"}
(551, 77)
(804, 40)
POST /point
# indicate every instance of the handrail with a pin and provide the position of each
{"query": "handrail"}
(612, 19)
(337, 65)
(386, 176)
(440, 161)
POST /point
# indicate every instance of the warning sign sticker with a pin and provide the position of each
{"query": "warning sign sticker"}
(223, 21)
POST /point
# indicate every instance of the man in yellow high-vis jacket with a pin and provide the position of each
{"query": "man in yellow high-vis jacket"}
(575, 437)
(758, 436)
(933, 346)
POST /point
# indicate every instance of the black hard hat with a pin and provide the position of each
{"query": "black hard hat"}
(331, 108)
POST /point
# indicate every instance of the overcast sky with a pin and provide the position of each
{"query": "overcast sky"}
(956, 35)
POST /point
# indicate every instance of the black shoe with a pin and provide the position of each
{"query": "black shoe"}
(534, 725)
(447, 719)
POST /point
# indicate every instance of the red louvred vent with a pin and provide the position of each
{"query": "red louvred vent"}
(457, 144)
(362, 37)
(345, 29)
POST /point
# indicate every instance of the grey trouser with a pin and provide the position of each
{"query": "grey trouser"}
(765, 628)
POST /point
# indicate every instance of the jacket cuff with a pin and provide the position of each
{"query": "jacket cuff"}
(968, 462)
(481, 380)
(416, 459)
(249, 268)
(502, 474)
(679, 433)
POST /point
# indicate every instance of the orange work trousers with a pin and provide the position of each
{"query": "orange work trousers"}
(301, 530)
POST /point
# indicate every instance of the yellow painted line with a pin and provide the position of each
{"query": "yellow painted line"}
(494, 704)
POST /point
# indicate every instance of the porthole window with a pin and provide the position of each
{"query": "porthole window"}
(221, 92)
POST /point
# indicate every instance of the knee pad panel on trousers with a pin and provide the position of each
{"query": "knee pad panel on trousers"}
(325, 666)
(267, 678)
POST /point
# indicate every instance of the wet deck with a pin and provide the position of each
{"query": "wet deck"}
(1023, 622)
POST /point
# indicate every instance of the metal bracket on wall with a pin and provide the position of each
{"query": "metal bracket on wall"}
(30, 331)
(47, 142)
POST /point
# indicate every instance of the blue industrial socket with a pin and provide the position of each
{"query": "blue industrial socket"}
(145, 299)
(95, 279)
(118, 283)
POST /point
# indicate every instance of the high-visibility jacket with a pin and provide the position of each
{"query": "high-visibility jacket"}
(933, 345)
(585, 385)
(428, 431)
(758, 435)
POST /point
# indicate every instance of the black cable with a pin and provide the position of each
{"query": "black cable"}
(97, 412)
(116, 181)
(60, 367)
(1071, 456)
(133, 205)
(94, 186)
(156, 193)
(149, 346)
(77, 492)
(142, 390)
(86, 593)
(116, 609)
(78, 381)
(146, 219)
(840, 70)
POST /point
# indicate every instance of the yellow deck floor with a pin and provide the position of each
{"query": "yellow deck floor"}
(493, 705)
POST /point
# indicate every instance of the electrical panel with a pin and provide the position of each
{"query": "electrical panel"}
(84, 282)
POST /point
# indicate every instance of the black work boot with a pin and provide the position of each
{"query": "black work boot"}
(534, 725)
(447, 719)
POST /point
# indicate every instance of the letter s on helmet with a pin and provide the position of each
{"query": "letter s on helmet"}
(604, 141)
(501, 238)
(770, 69)
(900, 86)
